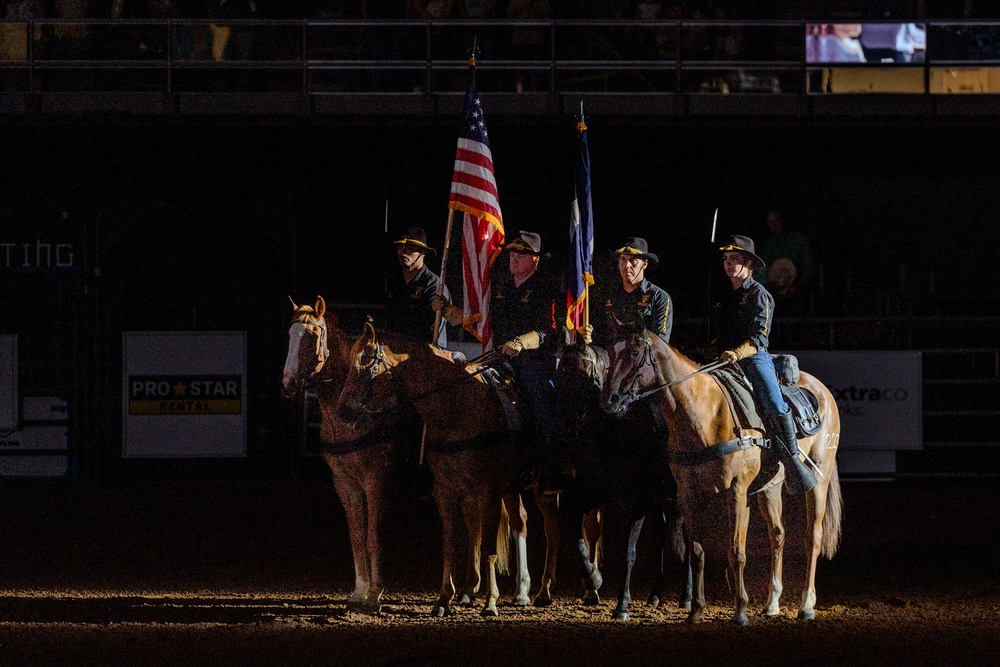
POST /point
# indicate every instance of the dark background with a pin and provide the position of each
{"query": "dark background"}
(206, 224)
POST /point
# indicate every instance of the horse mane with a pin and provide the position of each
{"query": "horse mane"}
(336, 340)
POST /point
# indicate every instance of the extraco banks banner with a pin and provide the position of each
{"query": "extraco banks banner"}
(184, 394)
(879, 395)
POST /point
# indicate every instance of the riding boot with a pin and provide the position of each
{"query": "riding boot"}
(799, 479)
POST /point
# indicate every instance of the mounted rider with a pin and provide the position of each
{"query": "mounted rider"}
(409, 292)
(743, 317)
(522, 314)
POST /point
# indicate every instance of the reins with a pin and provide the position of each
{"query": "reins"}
(704, 369)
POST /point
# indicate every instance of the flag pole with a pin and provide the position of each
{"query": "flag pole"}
(582, 126)
(708, 314)
(444, 269)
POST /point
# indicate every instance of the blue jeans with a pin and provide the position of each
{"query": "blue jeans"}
(535, 371)
(759, 370)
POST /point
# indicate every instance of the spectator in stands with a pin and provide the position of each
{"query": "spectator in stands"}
(435, 10)
(528, 42)
(790, 267)
(840, 44)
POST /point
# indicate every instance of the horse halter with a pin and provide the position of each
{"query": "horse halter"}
(319, 330)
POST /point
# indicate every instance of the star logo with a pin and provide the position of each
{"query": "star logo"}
(180, 389)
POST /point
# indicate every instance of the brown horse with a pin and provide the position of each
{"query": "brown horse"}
(360, 456)
(476, 459)
(712, 459)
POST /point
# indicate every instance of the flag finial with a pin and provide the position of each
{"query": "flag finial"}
(581, 120)
(473, 51)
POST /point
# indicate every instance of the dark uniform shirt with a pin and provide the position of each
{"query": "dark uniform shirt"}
(744, 314)
(408, 306)
(647, 305)
(517, 310)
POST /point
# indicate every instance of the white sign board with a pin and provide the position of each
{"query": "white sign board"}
(879, 394)
(184, 394)
(8, 382)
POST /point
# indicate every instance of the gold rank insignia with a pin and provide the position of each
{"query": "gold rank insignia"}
(744, 298)
(526, 297)
(644, 301)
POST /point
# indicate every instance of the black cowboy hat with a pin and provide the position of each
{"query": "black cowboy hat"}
(416, 237)
(744, 244)
(636, 247)
(529, 243)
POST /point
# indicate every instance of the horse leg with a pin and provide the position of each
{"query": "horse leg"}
(353, 500)
(489, 519)
(553, 532)
(769, 502)
(657, 531)
(591, 576)
(474, 529)
(815, 511)
(698, 582)
(592, 534)
(625, 594)
(449, 522)
(375, 495)
(676, 533)
(518, 521)
(739, 520)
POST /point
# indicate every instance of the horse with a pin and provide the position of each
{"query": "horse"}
(709, 462)
(614, 463)
(476, 459)
(361, 455)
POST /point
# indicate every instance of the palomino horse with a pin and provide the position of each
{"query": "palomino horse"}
(711, 458)
(616, 462)
(359, 455)
(476, 459)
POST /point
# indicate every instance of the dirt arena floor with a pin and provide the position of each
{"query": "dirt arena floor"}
(258, 572)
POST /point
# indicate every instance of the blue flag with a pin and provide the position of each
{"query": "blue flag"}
(579, 271)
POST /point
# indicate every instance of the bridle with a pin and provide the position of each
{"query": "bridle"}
(646, 358)
(318, 329)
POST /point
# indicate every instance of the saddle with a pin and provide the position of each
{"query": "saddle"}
(801, 401)
(499, 376)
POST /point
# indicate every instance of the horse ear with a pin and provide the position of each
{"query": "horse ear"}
(320, 307)
(370, 331)
(295, 306)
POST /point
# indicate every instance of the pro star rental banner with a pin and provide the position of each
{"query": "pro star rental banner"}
(184, 394)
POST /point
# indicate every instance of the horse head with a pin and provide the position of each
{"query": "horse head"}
(578, 381)
(632, 369)
(308, 346)
(367, 389)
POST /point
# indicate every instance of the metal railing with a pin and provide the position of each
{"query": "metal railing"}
(429, 57)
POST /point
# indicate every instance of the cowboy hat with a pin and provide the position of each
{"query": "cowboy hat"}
(417, 238)
(744, 244)
(529, 243)
(636, 247)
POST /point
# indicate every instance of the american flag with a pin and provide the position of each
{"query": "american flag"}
(579, 269)
(474, 193)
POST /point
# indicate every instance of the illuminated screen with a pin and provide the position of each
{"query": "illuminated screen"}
(881, 43)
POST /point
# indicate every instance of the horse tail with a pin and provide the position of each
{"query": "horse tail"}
(834, 516)
(503, 542)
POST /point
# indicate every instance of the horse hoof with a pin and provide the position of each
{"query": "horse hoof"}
(464, 599)
(654, 601)
(620, 615)
(489, 612)
(542, 602)
(771, 612)
(806, 614)
(694, 617)
(684, 605)
(741, 620)
(522, 601)
(371, 608)
(591, 599)
(439, 612)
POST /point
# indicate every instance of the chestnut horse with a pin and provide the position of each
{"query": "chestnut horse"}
(360, 456)
(476, 459)
(713, 459)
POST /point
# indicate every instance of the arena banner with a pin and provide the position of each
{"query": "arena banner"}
(879, 394)
(8, 382)
(184, 394)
